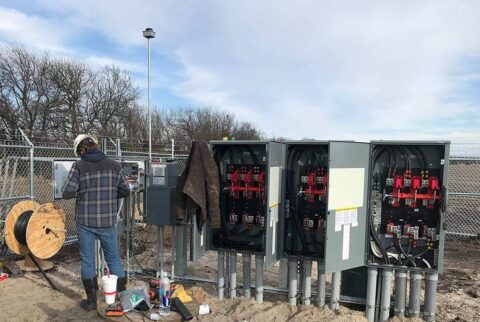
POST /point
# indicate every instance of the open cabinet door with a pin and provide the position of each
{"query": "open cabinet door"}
(276, 159)
(347, 205)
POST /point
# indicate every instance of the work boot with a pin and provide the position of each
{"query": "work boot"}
(91, 288)
(121, 284)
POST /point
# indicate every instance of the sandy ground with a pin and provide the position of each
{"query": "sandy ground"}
(29, 298)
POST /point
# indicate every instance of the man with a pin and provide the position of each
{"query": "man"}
(97, 182)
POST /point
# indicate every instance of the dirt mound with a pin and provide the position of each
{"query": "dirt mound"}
(240, 309)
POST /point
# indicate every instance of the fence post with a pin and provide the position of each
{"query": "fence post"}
(104, 145)
(119, 150)
(173, 149)
(32, 169)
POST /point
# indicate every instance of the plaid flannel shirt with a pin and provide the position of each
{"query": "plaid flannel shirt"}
(97, 186)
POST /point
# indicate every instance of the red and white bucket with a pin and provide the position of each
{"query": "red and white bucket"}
(109, 286)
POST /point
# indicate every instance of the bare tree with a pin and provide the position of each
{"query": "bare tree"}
(112, 97)
(26, 98)
(71, 78)
(58, 98)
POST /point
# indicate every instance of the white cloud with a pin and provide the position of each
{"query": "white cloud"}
(102, 61)
(31, 31)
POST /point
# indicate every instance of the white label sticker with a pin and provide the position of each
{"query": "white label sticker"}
(274, 184)
(354, 213)
(273, 215)
(347, 217)
(274, 220)
(158, 170)
(346, 242)
(338, 220)
(274, 239)
(158, 181)
(346, 188)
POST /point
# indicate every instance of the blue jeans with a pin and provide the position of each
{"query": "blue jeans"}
(108, 241)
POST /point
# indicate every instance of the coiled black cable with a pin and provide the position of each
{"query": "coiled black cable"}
(20, 228)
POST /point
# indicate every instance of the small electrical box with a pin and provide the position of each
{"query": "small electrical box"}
(132, 173)
(408, 197)
(159, 197)
(61, 169)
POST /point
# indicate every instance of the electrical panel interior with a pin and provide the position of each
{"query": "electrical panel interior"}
(250, 178)
(306, 200)
(243, 202)
(407, 202)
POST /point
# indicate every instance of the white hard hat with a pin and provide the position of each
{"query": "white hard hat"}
(79, 139)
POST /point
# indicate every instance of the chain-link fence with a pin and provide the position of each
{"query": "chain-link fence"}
(16, 179)
(463, 217)
(16, 182)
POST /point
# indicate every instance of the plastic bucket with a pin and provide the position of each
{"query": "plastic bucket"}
(109, 286)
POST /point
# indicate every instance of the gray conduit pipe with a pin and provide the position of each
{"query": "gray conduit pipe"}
(233, 275)
(227, 272)
(277, 290)
(414, 295)
(320, 286)
(292, 282)
(400, 292)
(247, 274)
(379, 291)
(221, 275)
(431, 281)
(259, 278)
(371, 294)
(386, 292)
(283, 274)
(335, 299)
(307, 282)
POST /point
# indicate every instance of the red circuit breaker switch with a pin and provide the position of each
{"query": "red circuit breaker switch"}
(247, 177)
(433, 183)
(261, 185)
(235, 177)
(398, 182)
(416, 183)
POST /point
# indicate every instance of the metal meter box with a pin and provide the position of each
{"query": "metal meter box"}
(250, 199)
(61, 169)
(408, 198)
(325, 200)
(159, 196)
(132, 173)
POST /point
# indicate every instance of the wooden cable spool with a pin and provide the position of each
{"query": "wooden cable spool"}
(44, 233)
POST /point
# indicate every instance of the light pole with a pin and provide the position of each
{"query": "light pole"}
(149, 34)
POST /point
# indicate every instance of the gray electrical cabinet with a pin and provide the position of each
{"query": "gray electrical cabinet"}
(250, 199)
(159, 196)
(325, 190)
(408, 199)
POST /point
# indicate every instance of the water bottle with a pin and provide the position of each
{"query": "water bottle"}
(164, 295)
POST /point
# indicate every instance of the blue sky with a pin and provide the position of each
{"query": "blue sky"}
(316, 69)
